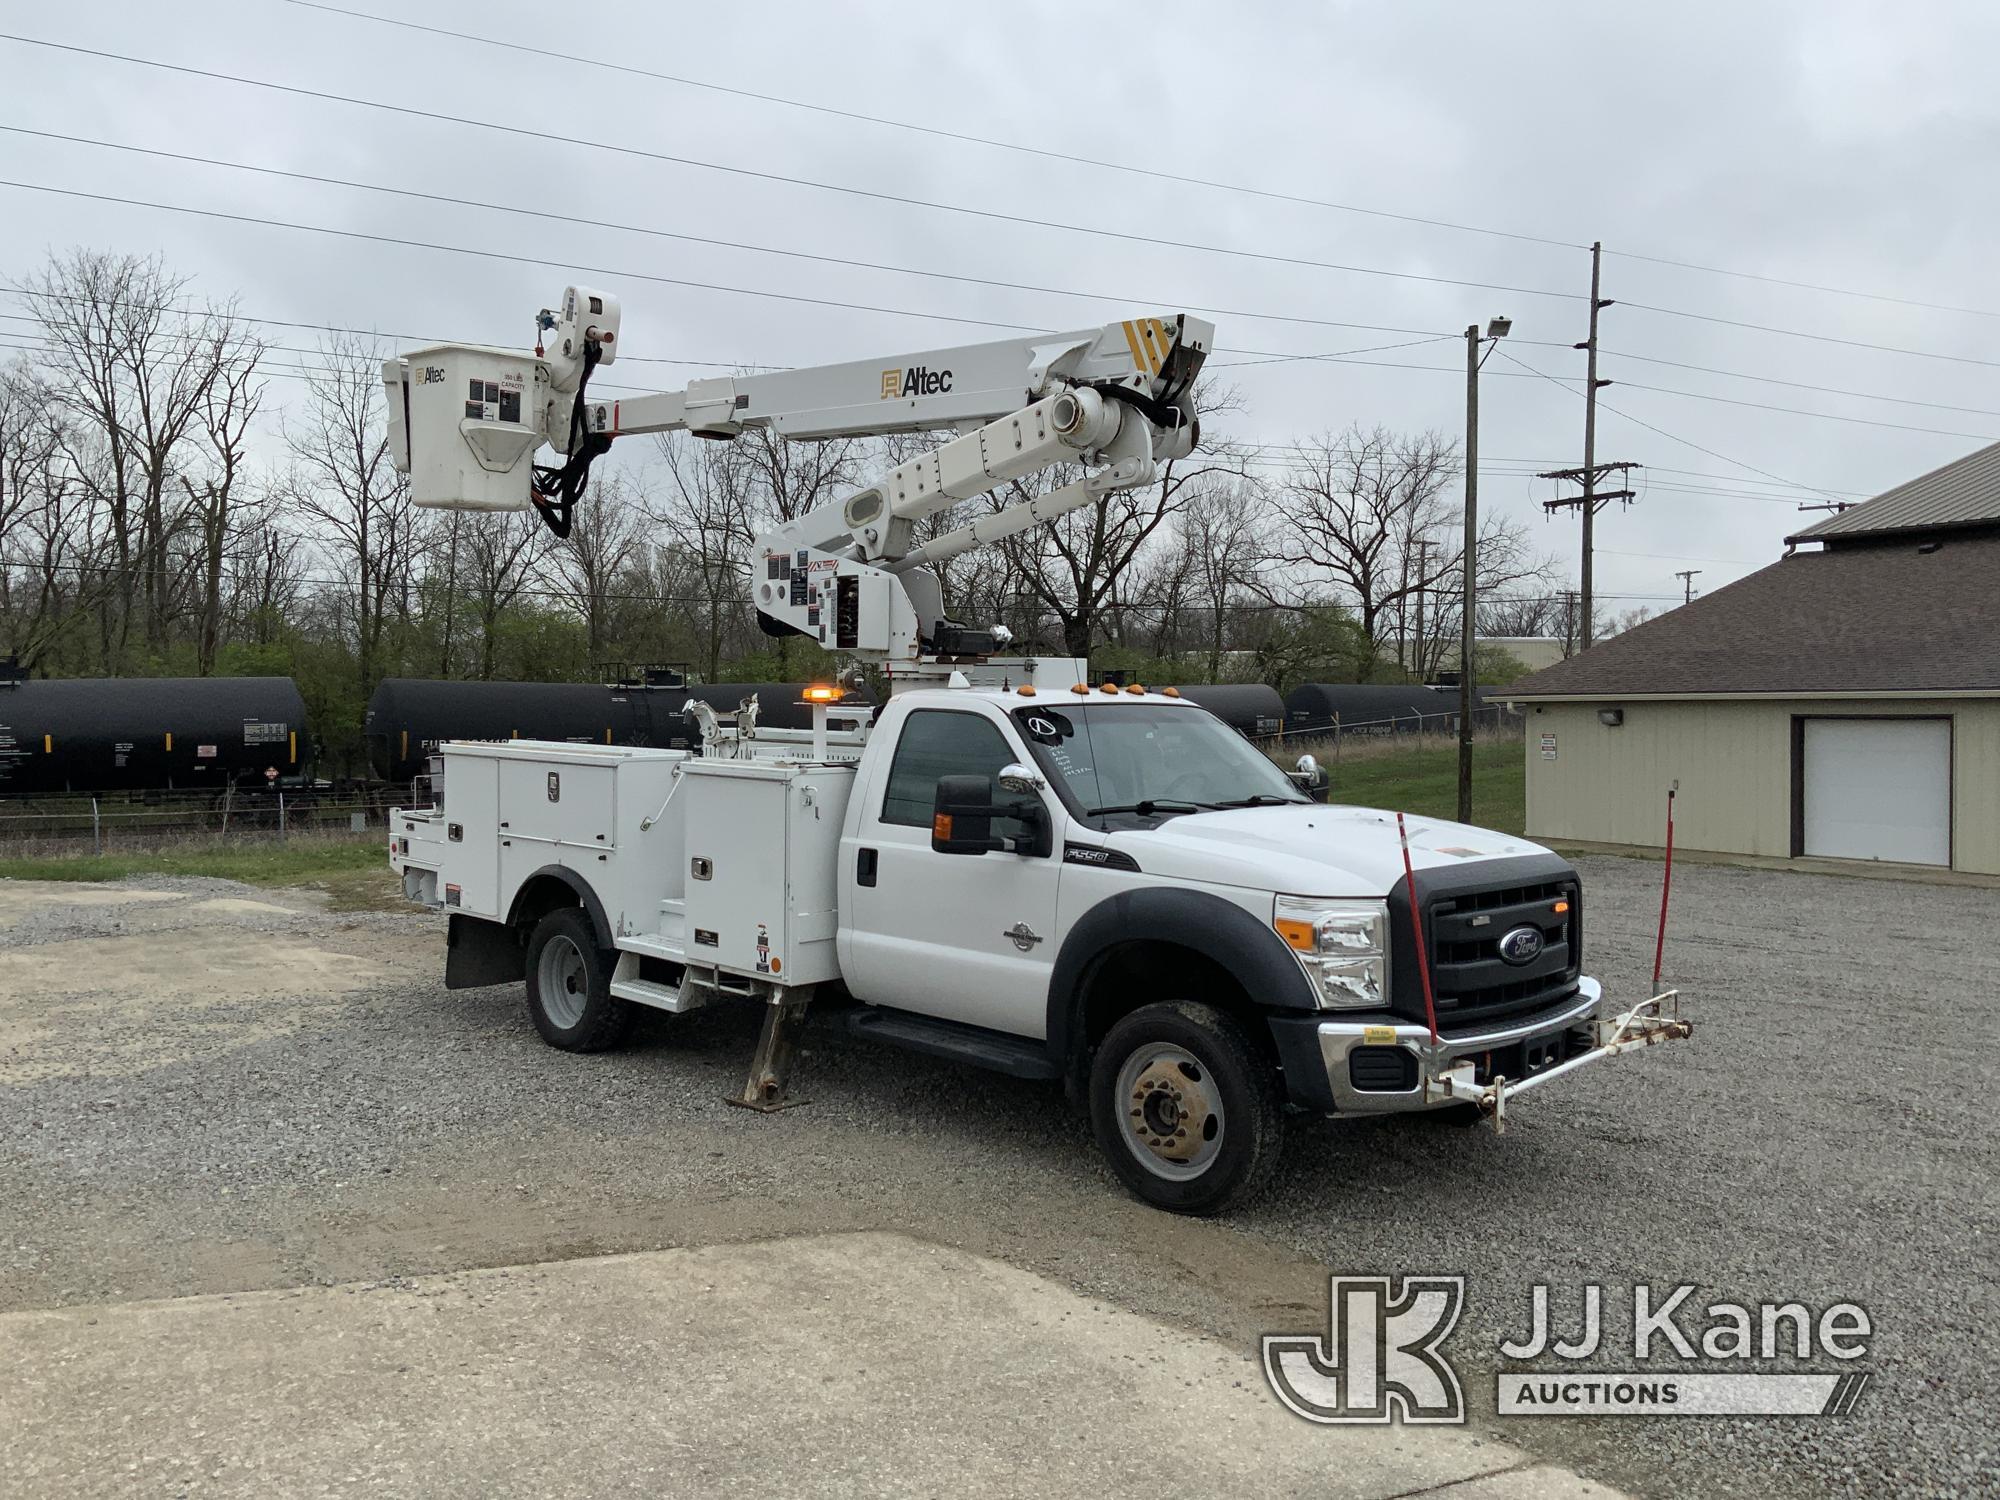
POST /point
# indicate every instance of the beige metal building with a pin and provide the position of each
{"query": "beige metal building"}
(1843, 703)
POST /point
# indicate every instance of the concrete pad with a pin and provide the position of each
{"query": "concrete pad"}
(843, 1364)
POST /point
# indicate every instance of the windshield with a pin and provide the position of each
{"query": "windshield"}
(1137, 762)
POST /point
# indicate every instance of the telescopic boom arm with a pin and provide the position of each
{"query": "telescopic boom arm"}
(1114, 401)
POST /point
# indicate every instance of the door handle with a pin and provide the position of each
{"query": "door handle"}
(864, 867)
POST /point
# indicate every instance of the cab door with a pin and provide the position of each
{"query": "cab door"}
(965, 937)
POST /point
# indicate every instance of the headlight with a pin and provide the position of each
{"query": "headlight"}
(1343, 947)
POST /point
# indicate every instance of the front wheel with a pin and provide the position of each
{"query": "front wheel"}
(569, 985)
(1185, 1110)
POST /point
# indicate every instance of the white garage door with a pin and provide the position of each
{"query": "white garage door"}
(1878, 789)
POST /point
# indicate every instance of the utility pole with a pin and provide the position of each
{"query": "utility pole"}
(1591, 501)
(1592, 498)
(1687, 578)
(1590, 433)
(1470, 604)
(1496, 329)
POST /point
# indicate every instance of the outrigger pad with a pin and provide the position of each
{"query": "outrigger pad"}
(777, 1045)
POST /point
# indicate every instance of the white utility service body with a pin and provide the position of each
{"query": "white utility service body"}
(1005, 864)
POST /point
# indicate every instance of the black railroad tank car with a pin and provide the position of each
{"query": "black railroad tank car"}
(111, 734)
(1249, 708)
(408, 717)
(1367, 708)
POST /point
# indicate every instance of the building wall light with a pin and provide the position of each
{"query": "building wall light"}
(1611, 718)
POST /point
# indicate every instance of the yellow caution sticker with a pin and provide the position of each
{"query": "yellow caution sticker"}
(1379, 1036)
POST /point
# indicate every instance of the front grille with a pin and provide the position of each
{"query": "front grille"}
(1463, 930)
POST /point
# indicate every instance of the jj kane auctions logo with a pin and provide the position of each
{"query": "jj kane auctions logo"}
(1381, 1358)
(918, 380)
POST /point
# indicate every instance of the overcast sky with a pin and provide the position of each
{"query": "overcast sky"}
(1850, 145)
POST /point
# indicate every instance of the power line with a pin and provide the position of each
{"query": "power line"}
(1798, 385)
(1819, 338)
(1800, 411)
(908, 126)
(1673, 437)
(696, 239)
(489, 128)
(1806, 286)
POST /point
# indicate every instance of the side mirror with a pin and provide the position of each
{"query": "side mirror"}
(962, 815)
(1310, 778)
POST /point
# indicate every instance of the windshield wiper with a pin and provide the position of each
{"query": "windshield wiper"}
(1265, 799)
(1152, 805)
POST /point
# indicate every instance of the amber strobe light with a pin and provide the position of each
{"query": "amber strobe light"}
(823, 693)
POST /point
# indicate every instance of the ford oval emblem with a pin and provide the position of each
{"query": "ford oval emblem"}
(1521, 945)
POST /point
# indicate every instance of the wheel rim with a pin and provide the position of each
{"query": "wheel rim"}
(1169, 1111)
(562, 982)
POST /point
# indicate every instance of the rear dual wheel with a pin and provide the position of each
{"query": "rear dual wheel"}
(1185, 1109)
(569, 985)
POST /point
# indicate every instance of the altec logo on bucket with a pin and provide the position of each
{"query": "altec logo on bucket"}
(918, 380)
(1381, 1359)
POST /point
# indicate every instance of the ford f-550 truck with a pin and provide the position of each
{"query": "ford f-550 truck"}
(1007, 864)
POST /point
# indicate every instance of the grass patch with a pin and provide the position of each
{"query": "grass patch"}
(1426, 782)
(354, 872)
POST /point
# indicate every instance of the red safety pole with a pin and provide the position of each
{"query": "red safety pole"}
(1417, 926)
(1666, 884)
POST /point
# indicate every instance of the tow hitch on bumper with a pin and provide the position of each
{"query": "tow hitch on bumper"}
(1646, 1024)
(1375, 1069)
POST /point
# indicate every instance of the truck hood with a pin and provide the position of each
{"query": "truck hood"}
(1308, 851)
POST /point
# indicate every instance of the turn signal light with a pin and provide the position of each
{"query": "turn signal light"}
(941, 826)
(1562, 908)
(1299, 935)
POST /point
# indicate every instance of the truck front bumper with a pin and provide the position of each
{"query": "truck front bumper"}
(1388, 1068)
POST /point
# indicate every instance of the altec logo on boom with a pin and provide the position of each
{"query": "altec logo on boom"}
(918, 380)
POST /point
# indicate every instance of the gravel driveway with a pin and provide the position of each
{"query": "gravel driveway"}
(205, 1088)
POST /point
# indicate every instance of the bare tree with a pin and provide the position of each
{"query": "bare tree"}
(604, 536)
(498, 558)
(343, 482)
(135, 372)
(1077, 568)
(708, 506)
(1373, 514)
(228, 407)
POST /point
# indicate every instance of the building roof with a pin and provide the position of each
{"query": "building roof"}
(1903, 616)
(1964, 492)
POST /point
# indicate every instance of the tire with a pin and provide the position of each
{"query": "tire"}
(569, 985)
(1159, 1067)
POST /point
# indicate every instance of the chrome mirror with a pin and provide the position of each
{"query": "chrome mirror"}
(1019, 779)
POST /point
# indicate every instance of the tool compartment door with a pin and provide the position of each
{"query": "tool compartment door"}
(736, 906)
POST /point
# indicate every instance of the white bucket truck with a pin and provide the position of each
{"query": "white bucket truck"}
(1006, 864)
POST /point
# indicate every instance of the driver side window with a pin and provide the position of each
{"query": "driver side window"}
(940, 742)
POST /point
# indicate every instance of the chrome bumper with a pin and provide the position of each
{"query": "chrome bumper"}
(1446, 1071)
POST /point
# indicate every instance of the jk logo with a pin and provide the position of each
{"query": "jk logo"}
(1379, 1361)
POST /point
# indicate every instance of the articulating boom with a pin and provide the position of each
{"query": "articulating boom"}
(1114, 401)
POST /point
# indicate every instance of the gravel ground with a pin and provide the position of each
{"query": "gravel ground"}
(207, 1088)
